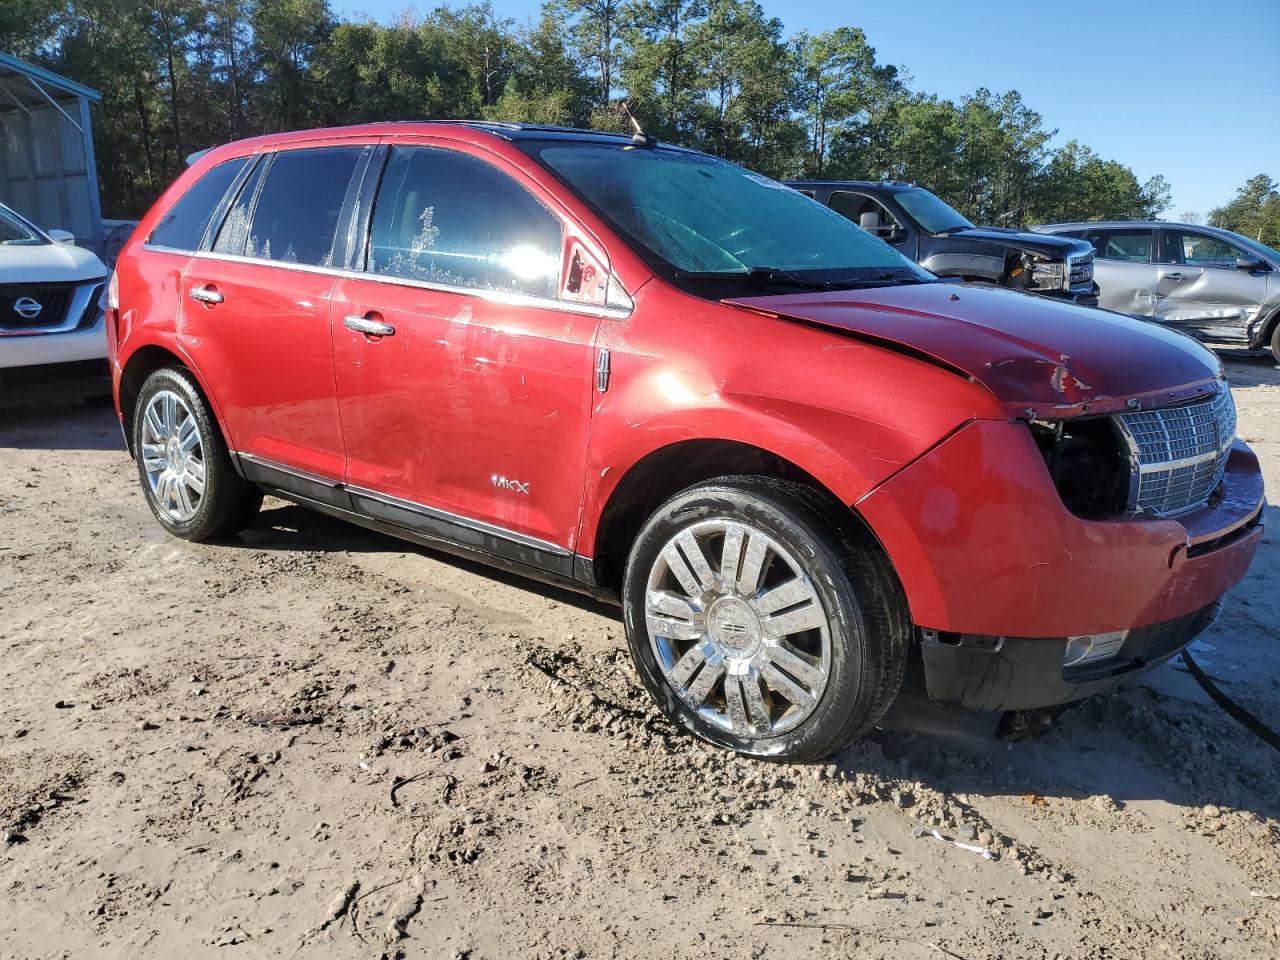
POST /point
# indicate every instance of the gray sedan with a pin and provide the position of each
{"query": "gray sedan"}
(1213, 284)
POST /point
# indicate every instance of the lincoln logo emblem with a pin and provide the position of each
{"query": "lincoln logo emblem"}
(27, 308)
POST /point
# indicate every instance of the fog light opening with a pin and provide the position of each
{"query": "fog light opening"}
(1097, 646)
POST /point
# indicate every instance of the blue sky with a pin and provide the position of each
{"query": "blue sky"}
(1183, 88)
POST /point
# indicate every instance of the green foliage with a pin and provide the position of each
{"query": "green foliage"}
(1255, 211)
(180, 75)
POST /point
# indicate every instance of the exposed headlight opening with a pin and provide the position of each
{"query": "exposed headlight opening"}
(1088, 463)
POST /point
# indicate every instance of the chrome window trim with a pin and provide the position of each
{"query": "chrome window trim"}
(480, 526)
(494, 296)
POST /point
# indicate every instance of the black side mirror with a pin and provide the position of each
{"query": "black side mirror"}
(1251, 264)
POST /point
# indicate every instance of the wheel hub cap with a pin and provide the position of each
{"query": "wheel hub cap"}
(738, 629)
(733, 626)
(172, 456)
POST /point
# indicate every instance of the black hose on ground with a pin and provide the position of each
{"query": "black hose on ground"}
(1233, 709)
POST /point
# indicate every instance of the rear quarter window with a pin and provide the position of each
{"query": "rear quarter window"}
(183, 227)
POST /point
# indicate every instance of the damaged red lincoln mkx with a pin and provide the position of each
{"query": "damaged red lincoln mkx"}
(792, 455)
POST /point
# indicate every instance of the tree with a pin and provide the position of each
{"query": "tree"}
(180, 75)
(662, 65)
(546, 84)
(288, 35)
(840, 86)
(595, 29)
(1077, 184)
(748, 81)
(1254, 212)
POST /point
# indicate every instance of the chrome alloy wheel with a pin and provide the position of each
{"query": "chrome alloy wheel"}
(173, 456)
(738, 629)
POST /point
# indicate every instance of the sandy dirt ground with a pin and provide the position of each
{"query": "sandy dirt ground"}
(315, 741)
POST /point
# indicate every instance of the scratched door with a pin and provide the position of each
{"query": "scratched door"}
(475, 398)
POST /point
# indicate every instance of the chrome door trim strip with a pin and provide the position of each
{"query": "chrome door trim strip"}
(292, 471)
(493, 296)
(478, 526)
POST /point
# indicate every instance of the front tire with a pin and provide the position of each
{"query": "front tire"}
(1275, 342)
(186, 472)
(762, 619)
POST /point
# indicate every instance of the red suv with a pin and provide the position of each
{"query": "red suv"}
(793, 456)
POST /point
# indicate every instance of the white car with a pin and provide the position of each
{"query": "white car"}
(53, 339)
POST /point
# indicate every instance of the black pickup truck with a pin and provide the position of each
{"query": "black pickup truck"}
(925, 228)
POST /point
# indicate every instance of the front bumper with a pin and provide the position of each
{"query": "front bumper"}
(39, 349)
(1008, 673)
(983, 545)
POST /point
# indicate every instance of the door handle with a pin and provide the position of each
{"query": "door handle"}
(372, 328)
(1175, 277)
(205, 295)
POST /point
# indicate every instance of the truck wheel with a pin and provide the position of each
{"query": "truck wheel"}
(762, 620)
(186, 472)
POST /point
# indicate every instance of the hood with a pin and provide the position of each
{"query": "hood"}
(1040, 356)
(1055, 247)
(48, 263)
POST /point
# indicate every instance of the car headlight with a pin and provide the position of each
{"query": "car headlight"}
(1048, 276)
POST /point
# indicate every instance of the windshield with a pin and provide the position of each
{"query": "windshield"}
(16, 232)
(933, 213)
(694, 217)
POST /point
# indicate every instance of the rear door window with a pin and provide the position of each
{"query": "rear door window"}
(183, 227)
(295, 216)
(449, 218)
(1127, 246)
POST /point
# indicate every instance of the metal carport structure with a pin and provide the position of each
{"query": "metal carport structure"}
(47, 168)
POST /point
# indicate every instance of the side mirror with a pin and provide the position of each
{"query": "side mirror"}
(1251, 264)
(869, 221)
(62, 236)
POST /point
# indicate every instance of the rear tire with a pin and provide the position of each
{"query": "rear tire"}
(762, 619)
(186, 472)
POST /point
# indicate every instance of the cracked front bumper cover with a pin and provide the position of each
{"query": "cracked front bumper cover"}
(1009, 673)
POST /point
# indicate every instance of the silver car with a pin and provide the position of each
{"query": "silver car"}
(1213, 284)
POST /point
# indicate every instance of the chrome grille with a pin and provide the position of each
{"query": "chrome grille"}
(1180, 452)
(1080, 270)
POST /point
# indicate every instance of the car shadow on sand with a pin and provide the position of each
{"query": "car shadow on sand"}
(1137, 743)
(286, 526)
(71, 425)
(1245, 370)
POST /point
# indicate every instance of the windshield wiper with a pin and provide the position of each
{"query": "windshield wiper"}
(758, 275)
(902, 275)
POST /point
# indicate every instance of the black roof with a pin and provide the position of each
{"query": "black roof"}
(891, 185)
(547, 131)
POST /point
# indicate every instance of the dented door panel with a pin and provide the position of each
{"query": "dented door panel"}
(1127, 287)
(1202, 291)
